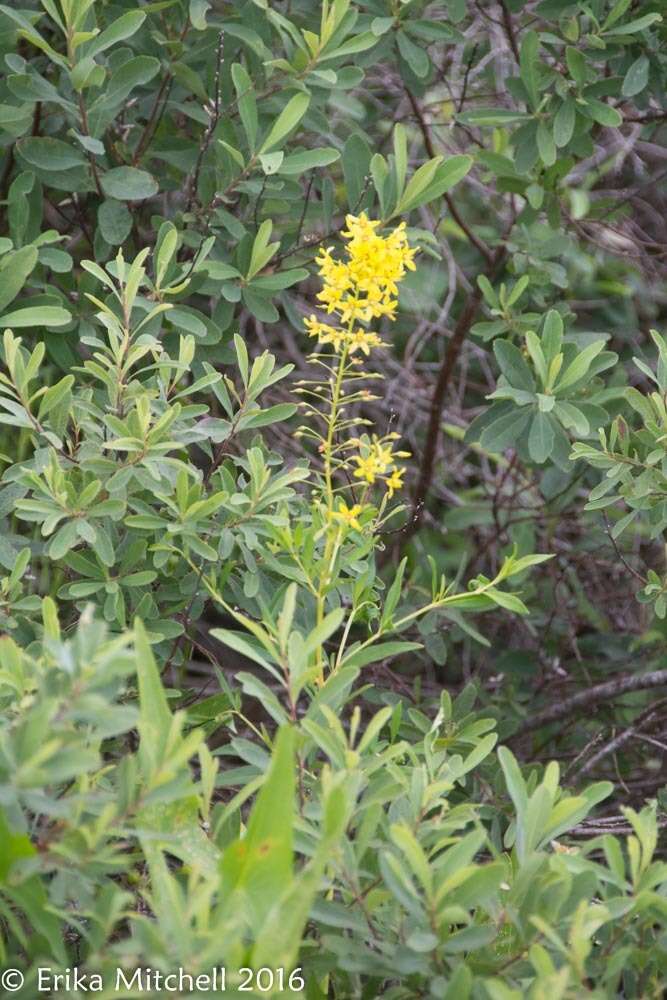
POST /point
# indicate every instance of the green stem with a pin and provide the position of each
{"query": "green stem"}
(331, 428)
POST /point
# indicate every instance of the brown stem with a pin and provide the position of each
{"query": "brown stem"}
(461, 330)
(486, 252)
(213, 121)
(153, 118)
(644, 720)
(91, 157)
(509, 29)
(158, 105)
(600, 692)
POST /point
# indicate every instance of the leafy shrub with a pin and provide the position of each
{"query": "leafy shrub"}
(226, 740)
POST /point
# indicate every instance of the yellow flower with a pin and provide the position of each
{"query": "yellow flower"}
(362, 340)
(367, 468)
(377, 460)
(347, 515)
(325, 333)
(394, 482)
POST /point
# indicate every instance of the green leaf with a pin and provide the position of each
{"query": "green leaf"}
(432, 180)
(247, 104)
(505, 431)
(377, 652)
(638, 24)
(578, 368)
(270, 162)
(123, 80)
(54, 394)
(239, 643)
(260, 865)
(576, 64)
(115, 221)
(416, 58)
(516, 786)
(37, 316)
(308, 159)
(359, 43)
(128, 184)
(262, 250)
(513, 365)
(287, 120)
(175, 827)
(123, 27)
(564, 122)
(540, 438)
(50, 154)
(493, 116)
(636, 78)
(154, 714)
(15, 269)
(530, 68)
(602, 113)
(546, 145)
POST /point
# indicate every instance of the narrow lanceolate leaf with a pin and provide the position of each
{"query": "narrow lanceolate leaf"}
(579, 367)
(247, 104)
(513, 365)
(36, 316)
(260, 864)
(529, 67)
(636, 78)
(564, 122)
(432, 180)
(540, 438)
(154, 714)
(288, 119)
(123, 27)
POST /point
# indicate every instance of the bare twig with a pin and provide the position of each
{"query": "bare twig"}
(600, 692)
(480, 245)
(193, 181)
(509, 29)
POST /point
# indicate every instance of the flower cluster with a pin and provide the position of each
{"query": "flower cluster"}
(362, 287)
(357, 339)
(377, 461)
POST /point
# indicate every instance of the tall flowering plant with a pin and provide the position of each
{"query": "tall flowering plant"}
(322, 608)
(356, 290)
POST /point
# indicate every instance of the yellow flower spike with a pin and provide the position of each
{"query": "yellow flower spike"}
(365, 286)
(358, 287)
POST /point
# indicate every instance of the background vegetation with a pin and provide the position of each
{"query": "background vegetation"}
(352, 664)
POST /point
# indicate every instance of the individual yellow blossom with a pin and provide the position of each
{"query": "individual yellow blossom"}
(394, 482)
(347, 516)
(367, 468)
(362, 340)
(325, 333)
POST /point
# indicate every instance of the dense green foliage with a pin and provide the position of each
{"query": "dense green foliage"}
(272, 620)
